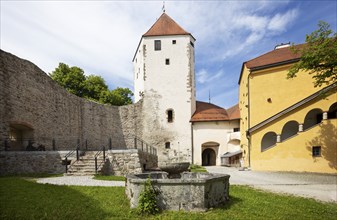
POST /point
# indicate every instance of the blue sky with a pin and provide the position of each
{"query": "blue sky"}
(102, 36)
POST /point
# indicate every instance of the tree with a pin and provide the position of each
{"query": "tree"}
(119, 96)
(91, 87)
(318, 56)
(71, 78)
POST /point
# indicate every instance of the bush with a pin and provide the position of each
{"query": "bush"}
(147, 203)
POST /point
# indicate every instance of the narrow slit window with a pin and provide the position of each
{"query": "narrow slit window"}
(167, 61)
(170, 116)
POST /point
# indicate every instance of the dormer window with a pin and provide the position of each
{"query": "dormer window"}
(157, 45)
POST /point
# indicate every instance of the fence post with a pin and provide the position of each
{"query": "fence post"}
(86, 144)
(135, 139)
(103, 153)
(54, 144)
(78, 143)
(142, 146)
(110, 144)
(66, 165)
(77, 153)
(96, 165)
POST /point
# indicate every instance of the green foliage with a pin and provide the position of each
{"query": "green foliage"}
(91, 87)
(197, 168)
(147, 203)
(318, 56)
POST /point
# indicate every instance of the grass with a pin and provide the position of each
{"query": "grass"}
(24, 199)
(198, 169)
(109, 178)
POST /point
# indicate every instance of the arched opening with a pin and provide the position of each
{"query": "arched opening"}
(332, 111)
(268, 140)
(289, 129)
(208, 157)
(20, 135)
(313, 118)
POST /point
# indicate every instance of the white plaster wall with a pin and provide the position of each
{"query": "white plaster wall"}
(204, 132)
(167, 87)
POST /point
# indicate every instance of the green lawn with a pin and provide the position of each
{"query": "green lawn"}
(22, 198)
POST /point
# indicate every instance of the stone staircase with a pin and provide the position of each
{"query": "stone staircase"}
(85, 165)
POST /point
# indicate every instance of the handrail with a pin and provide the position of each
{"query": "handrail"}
(96, 155)
(148, 147)
(69, 154)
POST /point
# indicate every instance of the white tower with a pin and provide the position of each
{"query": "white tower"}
(164, 79)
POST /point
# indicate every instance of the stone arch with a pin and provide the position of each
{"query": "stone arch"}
(312, 118)
(289, 129)
(268, 140)
(20, 135)
(209, 153)
(332, 111)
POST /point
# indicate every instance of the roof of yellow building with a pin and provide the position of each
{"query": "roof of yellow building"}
(165, 25)
(276, 56)
(210, 112)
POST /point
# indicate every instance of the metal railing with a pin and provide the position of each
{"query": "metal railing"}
(96, 156)
(69, 154)
(144, 146)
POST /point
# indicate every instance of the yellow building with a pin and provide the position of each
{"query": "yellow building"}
(286, 124)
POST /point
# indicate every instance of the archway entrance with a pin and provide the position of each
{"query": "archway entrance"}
(208, 157)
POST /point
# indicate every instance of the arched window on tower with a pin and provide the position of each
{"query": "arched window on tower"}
(170, 115)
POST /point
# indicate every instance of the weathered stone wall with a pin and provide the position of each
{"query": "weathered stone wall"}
(19, 162)
(131, 161)
(33, 103)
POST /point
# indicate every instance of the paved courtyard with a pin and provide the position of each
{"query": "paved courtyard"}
(318, 186)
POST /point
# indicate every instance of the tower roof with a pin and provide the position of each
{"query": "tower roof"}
(165, 25)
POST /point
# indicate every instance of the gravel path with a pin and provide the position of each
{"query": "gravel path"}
(79, 181)
(318, 186)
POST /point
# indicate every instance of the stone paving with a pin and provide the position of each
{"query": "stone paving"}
(322, 187)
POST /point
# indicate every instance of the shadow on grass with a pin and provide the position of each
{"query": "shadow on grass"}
(23, 199)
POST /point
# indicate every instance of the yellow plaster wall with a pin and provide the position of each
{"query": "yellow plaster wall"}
(295, 153)
(243, 101)
(273, 84)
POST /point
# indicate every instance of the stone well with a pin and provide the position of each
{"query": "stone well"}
(191, 192)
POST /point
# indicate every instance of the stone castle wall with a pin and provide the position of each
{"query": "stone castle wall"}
(30, 101)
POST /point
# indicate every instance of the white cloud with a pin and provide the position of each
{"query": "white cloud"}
(280, 22)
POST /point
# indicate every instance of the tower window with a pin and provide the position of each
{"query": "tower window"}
(192, 44)
(316, 151)
(157, 45)
(169, 116)
(174, 41)
(167, 145)
(167, 61)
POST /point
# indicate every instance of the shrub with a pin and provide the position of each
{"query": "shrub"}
(147, 203)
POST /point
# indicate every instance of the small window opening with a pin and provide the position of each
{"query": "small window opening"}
(170, 116)
(316, 151)
(192, 44)
(174, 41)
(236, 129)
(167, 145)
(167, 61)
(157, 45)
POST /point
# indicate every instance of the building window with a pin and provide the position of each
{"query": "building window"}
(157, 45)
(316, 151)
(174, 41)
(167, 61)
(169, 115)
(236, 129)
(167, 145)
(192, 44)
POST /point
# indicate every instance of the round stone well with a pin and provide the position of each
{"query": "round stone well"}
(191, 192)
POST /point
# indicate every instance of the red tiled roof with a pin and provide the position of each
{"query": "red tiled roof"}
(275, 56)
(234, 112)
(165, 25)
(210, 112)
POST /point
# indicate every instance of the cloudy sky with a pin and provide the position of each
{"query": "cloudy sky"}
(102, 36)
